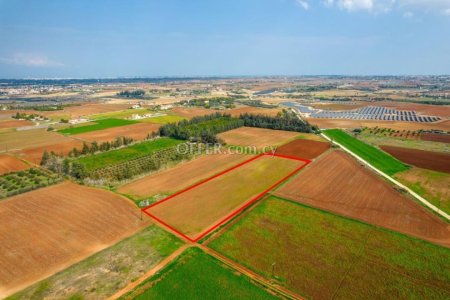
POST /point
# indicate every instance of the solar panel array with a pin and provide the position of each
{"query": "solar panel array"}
(371, 113)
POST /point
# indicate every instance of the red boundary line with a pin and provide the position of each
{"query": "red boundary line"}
(237, 211)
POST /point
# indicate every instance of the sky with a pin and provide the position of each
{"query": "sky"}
(148, 38)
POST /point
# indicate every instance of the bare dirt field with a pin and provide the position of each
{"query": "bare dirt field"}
(11, 164)
(186, 174)
(329, 123)
(49, 229)
(92, 108)
(195, 211)
(191, 112)
(34, 155)
(14, 123)
(303, 148)
(337, 183)
(436, 161)
(258, 137)
(235, 112)
(17, 140)
(434, 137)
(136, 131)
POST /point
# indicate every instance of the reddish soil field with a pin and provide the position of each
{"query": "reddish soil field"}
(258, 137)
(434, 137)
(337, 183)
(192, 112)
(430, 160)
(49, 229)
(253, 110)
(11, 164)
(136, 131)
(91, 109)
(303, 148)
(14, 123)
(195, 211)
(329, 123)
(34, 155)
(186, 174)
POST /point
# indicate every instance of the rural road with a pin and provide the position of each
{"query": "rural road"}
(414, 194)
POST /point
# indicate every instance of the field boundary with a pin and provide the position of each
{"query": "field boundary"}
(414, 194)
(235, 212)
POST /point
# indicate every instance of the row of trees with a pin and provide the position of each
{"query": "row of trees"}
(131, 94)
(201, 129)
(285, 120)
(95, 147)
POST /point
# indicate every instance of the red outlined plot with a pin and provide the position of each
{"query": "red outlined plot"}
(148, 210)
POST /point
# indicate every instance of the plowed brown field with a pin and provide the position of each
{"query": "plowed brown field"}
(181, 176)
(303, 148)
(49, 229)
(434, 137)
(258, 137)
(136, 131)
(195, 211)
(337, 183)
(34, 155)
(436, 161)
(11, 164)
(329, 123)
(14, 123)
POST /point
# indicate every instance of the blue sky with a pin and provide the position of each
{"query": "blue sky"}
(94, 38)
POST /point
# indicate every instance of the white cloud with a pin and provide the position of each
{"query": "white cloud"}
(303, 4)
(30, 60)
(408, 14)
(353, 5)
(447, 12)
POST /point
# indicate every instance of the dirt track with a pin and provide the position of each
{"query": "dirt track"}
(337, 183)
(436, 161)
(49, 229)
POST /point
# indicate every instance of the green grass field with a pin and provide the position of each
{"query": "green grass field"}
(100, 124)
(108, 271)
(101, 160)
(323, 256)
(121, 114)
(377, 158)
(163, 119)
(196, 275)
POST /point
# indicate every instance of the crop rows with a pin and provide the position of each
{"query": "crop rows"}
(147, 163)
(23, 181)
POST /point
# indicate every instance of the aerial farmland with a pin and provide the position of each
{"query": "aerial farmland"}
(148, 189)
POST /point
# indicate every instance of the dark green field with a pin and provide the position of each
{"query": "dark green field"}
(196, 275)
(101, 124)
(101, 160)
(324, 256)
(377, 158)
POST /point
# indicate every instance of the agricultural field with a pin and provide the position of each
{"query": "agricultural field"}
(186, 174)
(338, 183)
(17, 140)
(14, 123)
(113, 157)
(257, 137)
(77, 221)
(432, 185)
(197, 275)
(34, 154)
(88, 109)
(303, 148)
(193, 212)
(19, 182)
(401, 139)
(323, 256)
(163, 119)
(397, 125)
(108, 271)
(10, 163)
(433, 137)
(100, 125)
(137, 131)
(377, 158)
(435, 161)
(121, 114)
